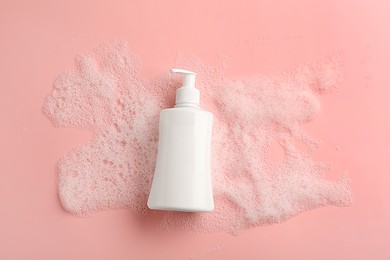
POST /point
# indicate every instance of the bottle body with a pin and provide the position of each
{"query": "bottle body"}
(182, 179)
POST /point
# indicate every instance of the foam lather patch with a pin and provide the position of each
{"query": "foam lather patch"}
(107, 95)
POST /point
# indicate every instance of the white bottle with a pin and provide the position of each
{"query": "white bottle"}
(182, 179)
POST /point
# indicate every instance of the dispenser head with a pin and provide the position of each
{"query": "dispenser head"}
(187, 95)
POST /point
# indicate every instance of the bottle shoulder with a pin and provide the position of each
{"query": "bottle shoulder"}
(186, 110)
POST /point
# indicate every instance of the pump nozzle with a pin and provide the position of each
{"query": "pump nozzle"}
(189, 77)
(187, 95)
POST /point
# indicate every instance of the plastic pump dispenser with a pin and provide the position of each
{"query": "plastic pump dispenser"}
(187, 95)
(182, 178)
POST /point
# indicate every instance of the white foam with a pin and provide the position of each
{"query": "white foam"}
(107, 94)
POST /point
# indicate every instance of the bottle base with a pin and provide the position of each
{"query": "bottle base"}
(181, 209)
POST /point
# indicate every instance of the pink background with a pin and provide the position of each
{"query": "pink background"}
(39, 40)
